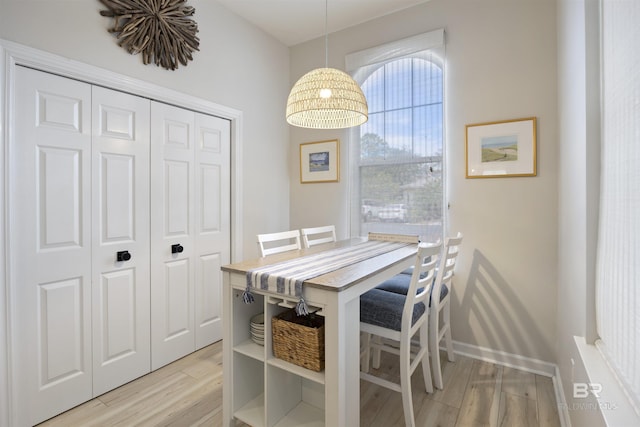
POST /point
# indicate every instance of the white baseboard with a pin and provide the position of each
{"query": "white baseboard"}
(563, 409)
(523, 363)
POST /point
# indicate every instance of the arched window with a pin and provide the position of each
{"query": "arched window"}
(398, 155)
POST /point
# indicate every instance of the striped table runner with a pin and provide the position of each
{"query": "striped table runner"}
(287, 277)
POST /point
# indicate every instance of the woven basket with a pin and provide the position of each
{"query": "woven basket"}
(299, 339)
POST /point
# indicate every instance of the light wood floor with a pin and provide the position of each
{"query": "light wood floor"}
(188, 392)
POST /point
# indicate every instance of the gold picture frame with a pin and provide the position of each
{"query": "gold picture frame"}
(501, 149)
(320, 161)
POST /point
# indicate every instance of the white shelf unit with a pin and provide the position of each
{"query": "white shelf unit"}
(267, 391)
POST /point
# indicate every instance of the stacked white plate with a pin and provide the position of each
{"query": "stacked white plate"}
(257, 328)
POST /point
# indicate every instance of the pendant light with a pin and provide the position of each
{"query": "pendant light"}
(326, 98)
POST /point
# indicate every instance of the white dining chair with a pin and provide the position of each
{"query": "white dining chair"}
(274, 243)
(318, 235)
(393, 319)
(438, 329)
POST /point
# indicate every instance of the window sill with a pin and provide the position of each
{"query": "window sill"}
(615, 407)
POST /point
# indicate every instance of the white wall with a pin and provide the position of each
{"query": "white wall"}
(501, 64)
(238, 66)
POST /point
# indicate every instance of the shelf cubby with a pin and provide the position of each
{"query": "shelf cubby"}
(267, 391)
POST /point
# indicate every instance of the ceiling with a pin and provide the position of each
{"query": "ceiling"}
(296, 21)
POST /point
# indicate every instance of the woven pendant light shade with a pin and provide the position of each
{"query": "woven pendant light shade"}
(326, 98)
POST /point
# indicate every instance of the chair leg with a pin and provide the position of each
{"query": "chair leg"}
(447, 335)
(405, 381)
(376, 352)
(434, 344)
(426, 368)
(366, 352)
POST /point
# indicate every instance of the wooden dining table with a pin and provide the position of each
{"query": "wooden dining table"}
(260, 389)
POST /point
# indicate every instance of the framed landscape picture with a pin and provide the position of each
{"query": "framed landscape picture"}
(501, 149)
(320, 161)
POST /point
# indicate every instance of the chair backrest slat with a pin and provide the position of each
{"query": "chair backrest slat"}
(326, 234)
(286, 241)
(422, 277)
(446, 267)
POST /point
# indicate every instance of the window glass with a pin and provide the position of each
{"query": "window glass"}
(617, 295)
(399, 154)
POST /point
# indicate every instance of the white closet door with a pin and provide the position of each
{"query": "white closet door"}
(172, 234)
(50, 238)
(121, 291)
(213, 223)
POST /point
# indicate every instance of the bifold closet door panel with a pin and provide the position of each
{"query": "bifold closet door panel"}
(172, 234)
(119, 221)
(121, 282)
(213, 223)
(50, 245)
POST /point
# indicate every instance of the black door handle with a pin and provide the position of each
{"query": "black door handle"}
(123, 256)
(177, 248)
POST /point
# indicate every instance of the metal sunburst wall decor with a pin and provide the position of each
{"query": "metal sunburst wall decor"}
(161, 30)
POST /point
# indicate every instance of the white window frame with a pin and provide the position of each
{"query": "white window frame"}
(356, 62)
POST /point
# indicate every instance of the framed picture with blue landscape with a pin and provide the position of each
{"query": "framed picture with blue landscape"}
(320, 161)
(501, 149)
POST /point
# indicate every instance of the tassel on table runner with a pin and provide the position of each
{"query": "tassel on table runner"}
(301, 308)
(247, 296)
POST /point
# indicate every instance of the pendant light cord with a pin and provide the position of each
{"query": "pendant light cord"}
(326, 34)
